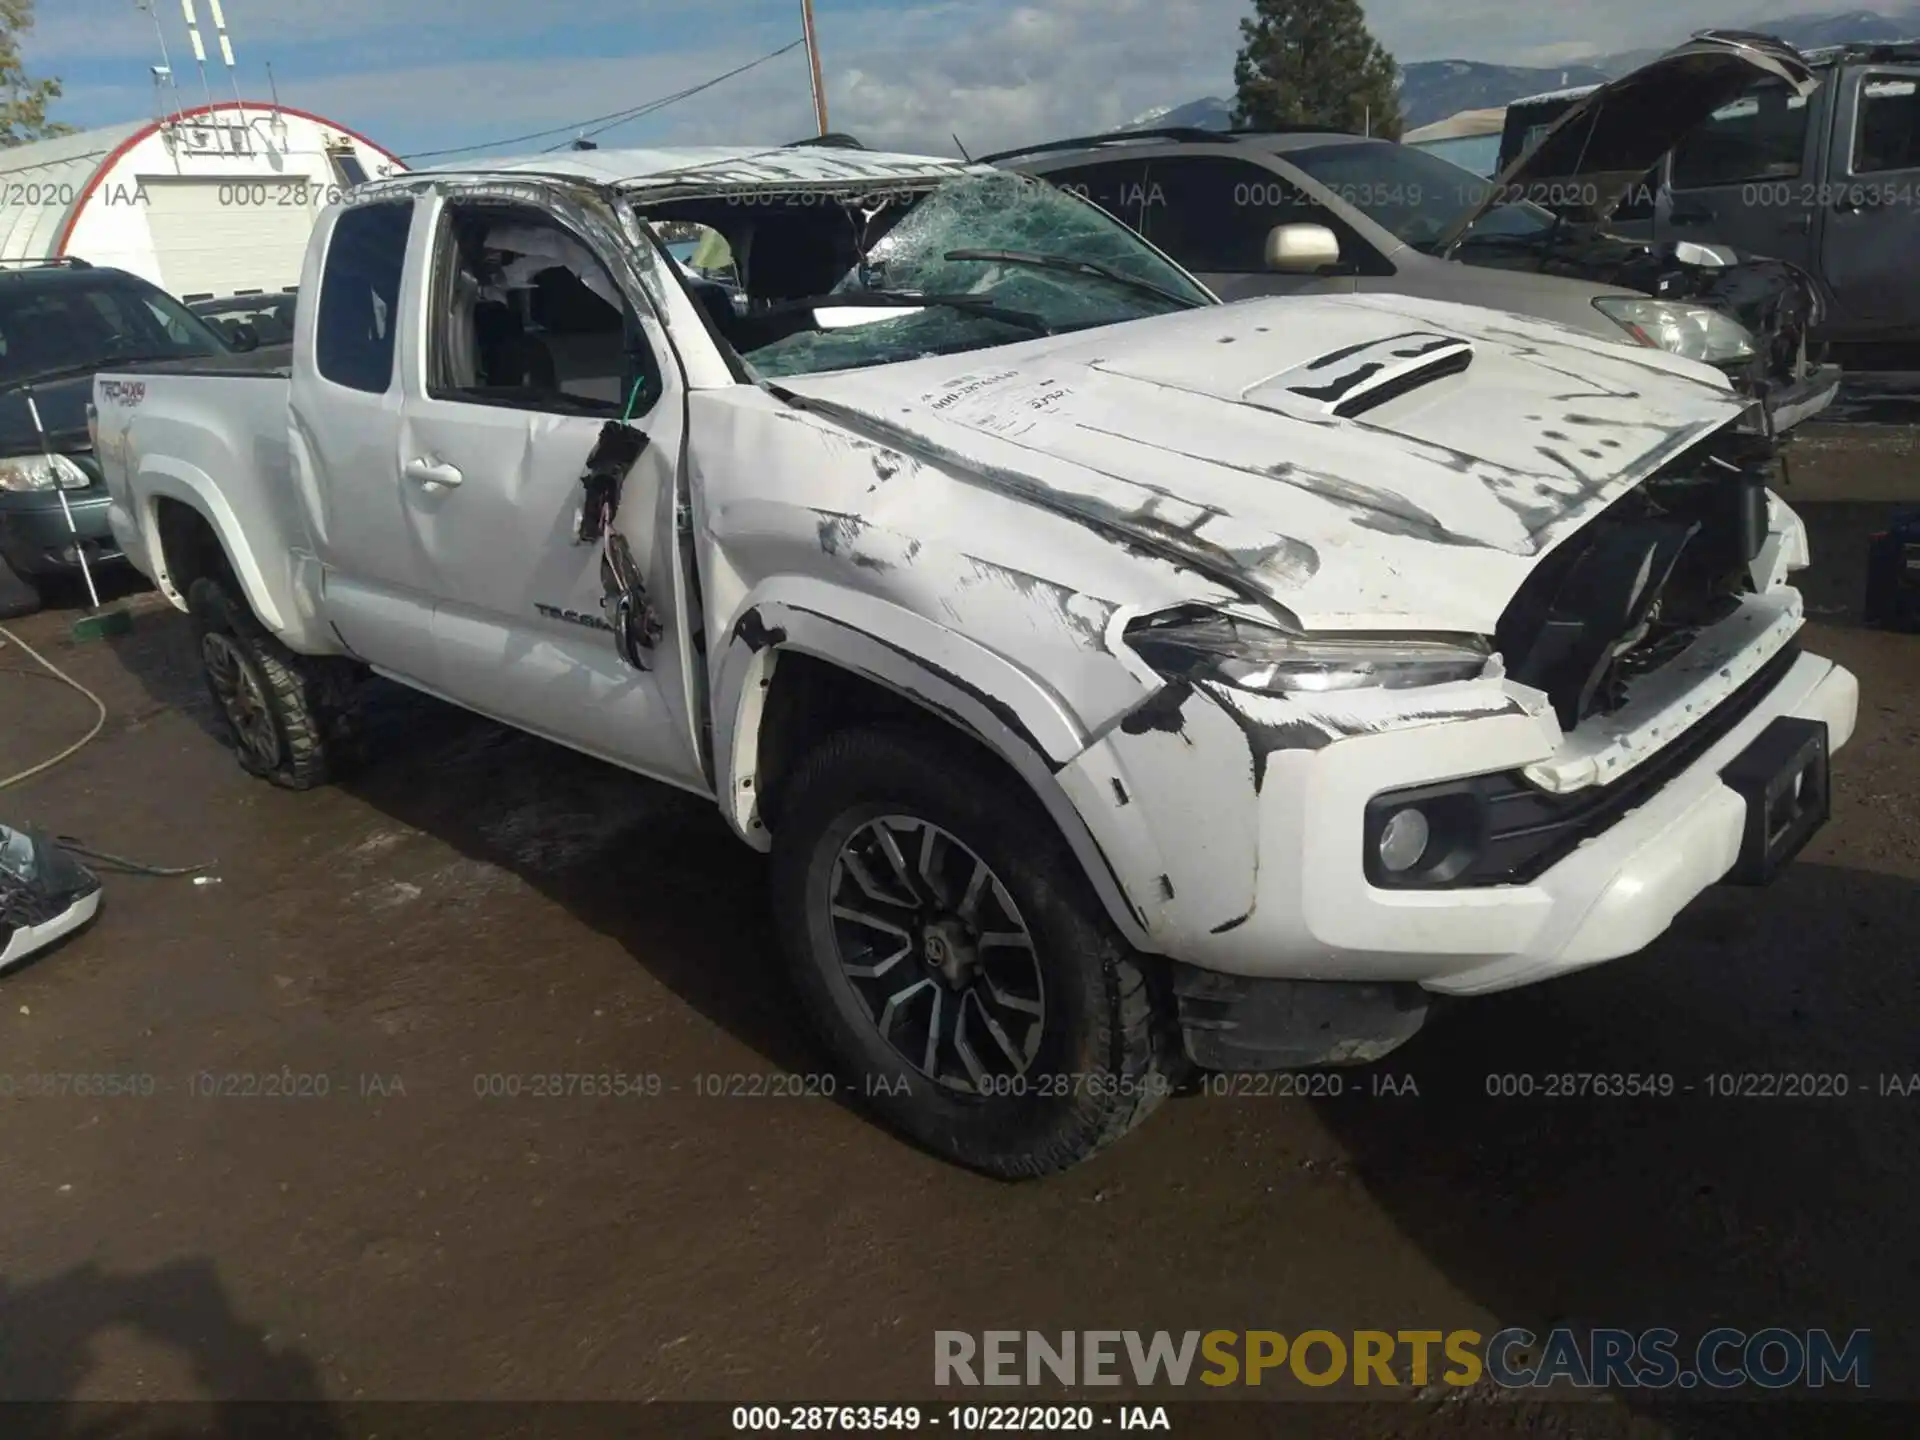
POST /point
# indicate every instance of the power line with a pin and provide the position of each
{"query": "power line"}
(653, 105)
(613, 118)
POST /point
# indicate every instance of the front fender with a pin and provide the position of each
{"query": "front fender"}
(1013, 713)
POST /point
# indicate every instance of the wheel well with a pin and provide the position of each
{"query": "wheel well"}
(190, 548)
(811, 699)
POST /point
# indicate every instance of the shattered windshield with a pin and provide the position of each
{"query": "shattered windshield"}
(979, 261)
(1417, 195)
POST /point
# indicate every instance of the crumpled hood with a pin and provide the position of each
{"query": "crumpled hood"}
(1355, 461)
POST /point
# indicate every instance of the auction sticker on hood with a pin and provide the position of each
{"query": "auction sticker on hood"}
(998, 406)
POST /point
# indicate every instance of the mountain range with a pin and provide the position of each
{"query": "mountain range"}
(1434, 89)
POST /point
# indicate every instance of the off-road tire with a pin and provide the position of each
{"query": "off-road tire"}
(309, 700)
(18, 595)
(1109, 1052)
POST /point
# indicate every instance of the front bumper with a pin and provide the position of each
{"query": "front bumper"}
(35, 538)
(1263, 876)
(1790, 405)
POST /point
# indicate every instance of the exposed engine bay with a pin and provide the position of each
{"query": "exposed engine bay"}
(1628, 593)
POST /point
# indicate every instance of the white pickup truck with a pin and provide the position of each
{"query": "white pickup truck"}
(1121, 681)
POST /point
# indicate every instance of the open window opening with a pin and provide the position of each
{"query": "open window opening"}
(527, 316)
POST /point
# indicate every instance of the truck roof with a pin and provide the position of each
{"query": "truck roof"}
(718, 166)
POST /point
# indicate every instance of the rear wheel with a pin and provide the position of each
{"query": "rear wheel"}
(290, 717)
(955, 962)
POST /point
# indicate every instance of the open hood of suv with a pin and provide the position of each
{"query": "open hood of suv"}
(1354, 462)
(1601, 146)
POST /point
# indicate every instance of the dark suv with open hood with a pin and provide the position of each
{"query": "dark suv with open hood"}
(60, 323)
(1315, 211)
(1810, 158)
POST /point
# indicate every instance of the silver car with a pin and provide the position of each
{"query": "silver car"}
(1312, 211)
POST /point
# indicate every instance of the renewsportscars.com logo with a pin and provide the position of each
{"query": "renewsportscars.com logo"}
(1722, 1359)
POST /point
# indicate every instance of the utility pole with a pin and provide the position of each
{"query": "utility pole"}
(813, 64)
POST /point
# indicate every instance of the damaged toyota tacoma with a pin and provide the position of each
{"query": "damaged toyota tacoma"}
(1121, 681)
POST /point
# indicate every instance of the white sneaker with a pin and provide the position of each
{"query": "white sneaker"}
(44, 894)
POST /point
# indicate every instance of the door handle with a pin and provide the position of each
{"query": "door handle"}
(432, 472)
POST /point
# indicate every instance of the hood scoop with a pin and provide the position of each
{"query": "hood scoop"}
(1346, 383)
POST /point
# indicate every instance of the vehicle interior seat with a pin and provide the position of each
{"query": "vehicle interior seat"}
(792, 258)
(510, 358)
(583, 335)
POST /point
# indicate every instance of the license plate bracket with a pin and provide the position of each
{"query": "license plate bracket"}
(1783, 777)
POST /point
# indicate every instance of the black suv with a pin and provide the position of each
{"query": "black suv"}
(60, 322)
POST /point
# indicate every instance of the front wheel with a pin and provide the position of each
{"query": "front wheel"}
(288, 716)
(955, 962)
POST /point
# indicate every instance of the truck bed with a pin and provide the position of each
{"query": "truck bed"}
(216, 441)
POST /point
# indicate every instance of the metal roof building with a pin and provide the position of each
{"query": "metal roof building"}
(214, 200)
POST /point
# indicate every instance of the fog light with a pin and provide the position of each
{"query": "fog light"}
(1403, 840)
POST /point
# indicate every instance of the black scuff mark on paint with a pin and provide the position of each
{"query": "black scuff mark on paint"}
(756, 634)
(1088, 629)
(1335, 389)
(1561, 460)
(992, 704)
(1138, 535)
(1160, 713)
(839, 537)
(1166, 887)
(1614, 422)
(1120, 796)
(1264, 737)
(1233, 924)
(886, 465)
(1388, 513)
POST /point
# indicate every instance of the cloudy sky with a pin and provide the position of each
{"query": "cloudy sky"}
(420, 75)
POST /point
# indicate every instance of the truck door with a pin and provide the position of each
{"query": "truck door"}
(531, 347)
(1871, 228)
(345, 412)
(1748, 176)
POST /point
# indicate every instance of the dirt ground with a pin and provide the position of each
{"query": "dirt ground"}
(480, 905)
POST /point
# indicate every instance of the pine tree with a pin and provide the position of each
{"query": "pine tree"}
(1314, 62)
(23, 102)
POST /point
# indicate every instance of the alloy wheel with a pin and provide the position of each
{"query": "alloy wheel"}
(938, 953)
(236, 685)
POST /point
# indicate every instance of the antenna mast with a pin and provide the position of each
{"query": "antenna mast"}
(233, 74)
(199, 56)
(163, 72)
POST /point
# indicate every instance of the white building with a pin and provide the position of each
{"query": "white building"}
(214, 200)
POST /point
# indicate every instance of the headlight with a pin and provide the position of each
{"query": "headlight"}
(41, 472)
(1257, 657)
(1696, 332)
